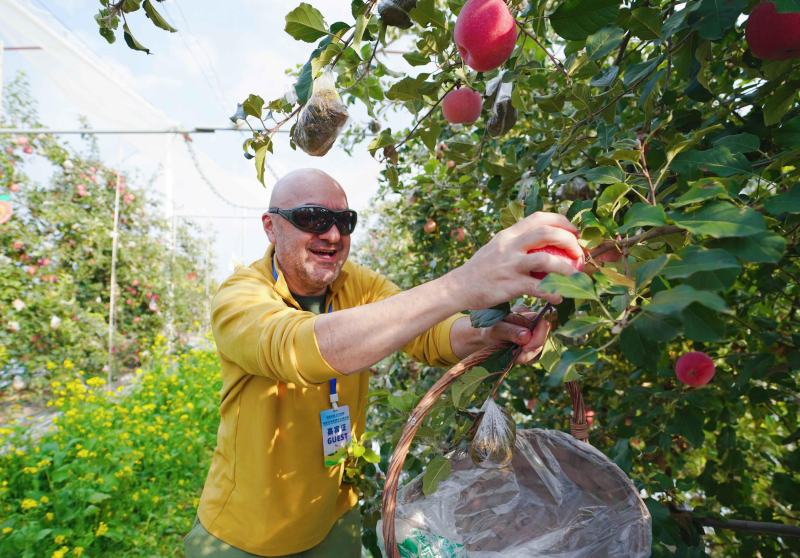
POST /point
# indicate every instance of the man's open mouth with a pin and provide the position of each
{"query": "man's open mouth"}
(329, 255)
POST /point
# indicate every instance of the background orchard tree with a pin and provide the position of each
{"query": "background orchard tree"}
(55, 260)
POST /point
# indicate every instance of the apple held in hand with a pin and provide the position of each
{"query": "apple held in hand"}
(773, 36)
(577, 263)
(694, 368)
(485, 34)
(462, 106)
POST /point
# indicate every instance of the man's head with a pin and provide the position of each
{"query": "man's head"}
(309, 261)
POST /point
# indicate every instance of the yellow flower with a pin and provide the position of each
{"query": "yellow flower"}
(61, 539)
(50, 365)
(29, 503)
(77, 551)
(83, 453)
(7, 530)
(101, 530)
(49, 516)
(60, 552)
(135, 496)
(54, 384)
(68, 364)
(44, 499)
(44, 463)
(154, 499)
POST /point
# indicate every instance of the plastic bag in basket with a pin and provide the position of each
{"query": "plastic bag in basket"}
(493, 444)
(559, 497)
(322, 118)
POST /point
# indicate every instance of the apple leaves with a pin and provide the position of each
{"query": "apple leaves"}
(575, 20)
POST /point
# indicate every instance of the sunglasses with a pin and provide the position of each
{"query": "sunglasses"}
(317, 219)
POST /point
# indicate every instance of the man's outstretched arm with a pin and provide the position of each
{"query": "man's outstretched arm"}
(354, 339)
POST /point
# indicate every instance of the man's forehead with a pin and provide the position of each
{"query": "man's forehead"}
(308, 187)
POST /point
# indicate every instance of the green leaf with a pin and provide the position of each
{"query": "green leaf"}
(578, 327)
(305, 84)
(702, 325)
(605, 78)
(517, 101)
(780, 102)
(380, 141)
(702, 190)
(261, 159)
(639, 350)
(603, 42)
(643, 215)
(131, 42)
(788, 135)
(305, 23)
(253, 106)
(577, 285)
(398, 402)
(533, 202)
(695, 259)
(788, 202)
(721, 220)
(370, 456)
(646, 23)
(739, 143)
(675, 300)
(612, 199)
(766, 247)
(640, 71)
(358, 32)
(605, 175)
(787, 6)
(156, 18)
(416, 59)
(430, 135)
(129, 6)
(658, 327)
(97, 497)
(715, 17)
(108, 35)
(438, 470)
(575, 20)
(565, 371)
(550, 103)
(407, 89)
(511, 214)
(239, 114)
(551, 353)
(647, 271)
(665, 529)
(42, 534)
(425, 13)
(392, 176)
(490, 316)
(689, 422)
(465, 386)
(621, 455)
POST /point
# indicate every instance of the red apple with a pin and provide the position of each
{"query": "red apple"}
(18, 245)
(577, 263)
(589, 417)
(136, 320)
(53, 279)
(462, 106)
(14, 187)
(459, 234)
(45, 261)
(429, 226)
(22, 140)
(28, 149)
(135, 282)
(773, 36)
(32, 269)
(191, 276)
(694, 368)
(10, 150)
(485, 34)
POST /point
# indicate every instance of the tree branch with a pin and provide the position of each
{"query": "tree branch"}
(752, 526)
(421, 120)
(652, 233)
(547, 52)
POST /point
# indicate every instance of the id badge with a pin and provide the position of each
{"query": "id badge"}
(336, 434)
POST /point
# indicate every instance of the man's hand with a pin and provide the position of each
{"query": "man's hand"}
(514, 328)
(500, 270)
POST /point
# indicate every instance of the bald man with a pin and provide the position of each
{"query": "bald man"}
(296, 332)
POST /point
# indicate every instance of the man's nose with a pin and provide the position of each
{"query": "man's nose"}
(332, 235)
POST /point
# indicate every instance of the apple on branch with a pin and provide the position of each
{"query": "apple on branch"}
(773, 36)
(485, 34)
(462, 106)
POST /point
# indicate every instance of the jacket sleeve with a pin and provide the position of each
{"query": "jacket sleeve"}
(254, 328)
(433, 346)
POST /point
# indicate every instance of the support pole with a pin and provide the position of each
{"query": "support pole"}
(208, 280)
(1, 79)
(113, 298)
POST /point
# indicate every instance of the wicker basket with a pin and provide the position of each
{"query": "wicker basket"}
(591, 475)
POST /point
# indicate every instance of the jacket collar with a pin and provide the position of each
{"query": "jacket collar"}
(264, 266)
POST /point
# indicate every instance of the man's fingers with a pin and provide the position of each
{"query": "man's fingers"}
(550, 236)
(541, 218)
(544, 262)
(533, 347)
(505, 331)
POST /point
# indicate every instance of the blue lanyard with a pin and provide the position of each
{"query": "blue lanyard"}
(332, 381)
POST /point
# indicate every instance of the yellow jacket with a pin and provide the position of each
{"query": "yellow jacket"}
(268, 492)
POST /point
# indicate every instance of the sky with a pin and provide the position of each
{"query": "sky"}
(223, 52)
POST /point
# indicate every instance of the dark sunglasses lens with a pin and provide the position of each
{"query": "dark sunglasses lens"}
(313, 218)
(346, 222)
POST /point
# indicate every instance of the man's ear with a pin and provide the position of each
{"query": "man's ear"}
(269, 226)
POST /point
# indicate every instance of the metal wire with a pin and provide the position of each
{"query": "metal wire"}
(211, 185)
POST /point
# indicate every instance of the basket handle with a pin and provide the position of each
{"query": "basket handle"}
(578, 426)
